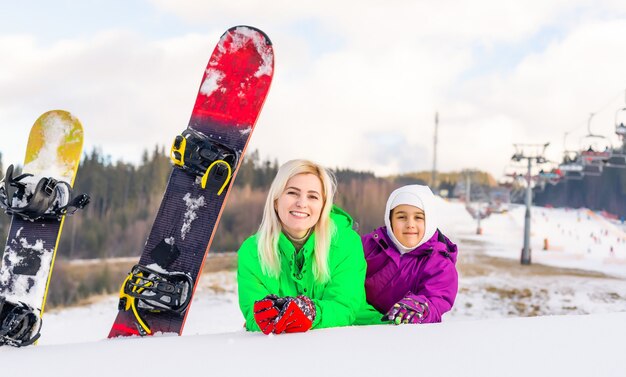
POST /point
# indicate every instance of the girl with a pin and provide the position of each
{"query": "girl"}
(411, 274)
(304, 268)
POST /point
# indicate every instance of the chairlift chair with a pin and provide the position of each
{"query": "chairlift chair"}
(618, 158)
(592, 170)
(595, 149)
(573, 175)
(571, 167)
(552, 177)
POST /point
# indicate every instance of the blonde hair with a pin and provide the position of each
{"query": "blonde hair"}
(270, 228)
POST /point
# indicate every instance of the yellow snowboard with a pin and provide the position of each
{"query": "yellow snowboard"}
(54, 150)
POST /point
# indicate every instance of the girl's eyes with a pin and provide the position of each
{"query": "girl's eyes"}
(402, 217)
(313, 197)
(292, 193)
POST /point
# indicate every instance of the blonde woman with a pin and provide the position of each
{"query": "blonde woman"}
(304, 268)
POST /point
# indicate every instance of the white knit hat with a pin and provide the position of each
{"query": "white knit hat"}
(418, 196)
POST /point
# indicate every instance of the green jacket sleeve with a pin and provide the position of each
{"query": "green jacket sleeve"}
(345, 292)
(250, 281)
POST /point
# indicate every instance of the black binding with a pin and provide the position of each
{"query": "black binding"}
(19, 324)
(45, 201)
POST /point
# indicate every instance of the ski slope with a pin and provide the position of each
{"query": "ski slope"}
(576, 238)
(481, 336)
(540, 346)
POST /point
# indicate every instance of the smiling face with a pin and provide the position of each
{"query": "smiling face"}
(408, 223)
(300, 204)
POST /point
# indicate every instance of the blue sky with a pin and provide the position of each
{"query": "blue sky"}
(498, 73)
(51, 21)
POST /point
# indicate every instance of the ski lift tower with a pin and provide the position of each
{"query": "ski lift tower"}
(433, 180)
(531, 153)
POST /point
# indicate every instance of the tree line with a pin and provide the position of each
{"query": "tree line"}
(125, 199)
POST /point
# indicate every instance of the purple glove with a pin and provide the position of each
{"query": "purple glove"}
(407, 310)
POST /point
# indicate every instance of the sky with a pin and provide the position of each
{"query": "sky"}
(356, 83)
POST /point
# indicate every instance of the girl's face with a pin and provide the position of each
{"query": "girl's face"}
(300, 204)
(407, 224)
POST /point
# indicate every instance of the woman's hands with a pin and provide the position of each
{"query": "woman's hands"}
(276, 314)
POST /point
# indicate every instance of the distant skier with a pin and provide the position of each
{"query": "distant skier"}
(411, 273)
(304, 268)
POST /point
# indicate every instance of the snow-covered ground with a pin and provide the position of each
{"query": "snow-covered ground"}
(576, 238)
(483, 335)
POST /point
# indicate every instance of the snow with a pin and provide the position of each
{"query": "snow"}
(56, 130)
(156, 267)
(577, 238)
(242, 35)
(266, 53)
(577, 325)
(245, 131)
(192, 205)
(540, 346)
(211, 81)
(25, 288)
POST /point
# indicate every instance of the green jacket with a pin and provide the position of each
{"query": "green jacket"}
(336, 302)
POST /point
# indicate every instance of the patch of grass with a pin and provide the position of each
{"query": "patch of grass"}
(74, 284)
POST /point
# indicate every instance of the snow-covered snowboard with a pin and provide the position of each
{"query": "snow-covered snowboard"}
(156, 295)
(38, 201)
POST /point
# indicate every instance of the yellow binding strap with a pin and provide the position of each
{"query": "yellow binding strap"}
(178, 147)
(205, 177)
(130, 302)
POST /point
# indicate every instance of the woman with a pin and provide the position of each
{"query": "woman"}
(304, 268)
(411, 272)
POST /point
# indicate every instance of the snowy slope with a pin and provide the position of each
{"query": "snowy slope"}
(577, 238)
(540, 346)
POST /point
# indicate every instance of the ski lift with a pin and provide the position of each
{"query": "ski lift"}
(596, 148)
(592, 170)
(617, 160)
(571, 167)
(618, 157)
(552, 177)
(620, 128)
(573, 175)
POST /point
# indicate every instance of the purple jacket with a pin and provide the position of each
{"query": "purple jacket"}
(426, 274)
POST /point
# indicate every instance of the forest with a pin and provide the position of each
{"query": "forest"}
(125, 198)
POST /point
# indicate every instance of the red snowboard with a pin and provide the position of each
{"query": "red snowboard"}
(157, 294)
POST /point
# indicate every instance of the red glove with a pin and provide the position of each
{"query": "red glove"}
(265, 312)
(296, 315)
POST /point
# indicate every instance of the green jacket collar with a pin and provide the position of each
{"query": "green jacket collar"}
(287, 249)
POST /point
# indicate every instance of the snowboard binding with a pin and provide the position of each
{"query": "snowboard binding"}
(19, 324)
(202, 156)
(154, 291)
(48, 199)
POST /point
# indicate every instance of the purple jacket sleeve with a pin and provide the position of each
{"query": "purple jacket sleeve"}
(437, 288)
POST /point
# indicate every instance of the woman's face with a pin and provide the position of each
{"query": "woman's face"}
(300, 204)
(407, 224)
